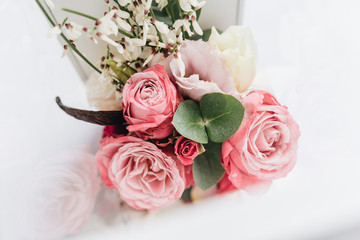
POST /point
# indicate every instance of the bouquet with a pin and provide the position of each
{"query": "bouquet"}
(176, 103)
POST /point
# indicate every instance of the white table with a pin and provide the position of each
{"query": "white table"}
(308, 50)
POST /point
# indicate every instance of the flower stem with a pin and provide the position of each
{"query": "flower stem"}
(125, 33)
(71, 45)
(158, 32)
(79, 13)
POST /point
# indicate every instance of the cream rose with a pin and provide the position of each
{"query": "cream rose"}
(239, 48)
(102, 94)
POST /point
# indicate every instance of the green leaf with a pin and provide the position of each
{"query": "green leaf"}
(186, 195)
(162, 16)
(189, 122)
(222, 115)
(217, 118)
(207, 168)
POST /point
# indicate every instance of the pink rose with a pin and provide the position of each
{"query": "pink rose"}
(225, 186)
(186, 150)
(186, 174)
(145, 177)
(58, 196)
(185, 171)
(264, 148)
(150, 100)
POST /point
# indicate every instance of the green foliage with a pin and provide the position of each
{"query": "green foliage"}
(189, 122)
(217, 117)
(207, 168)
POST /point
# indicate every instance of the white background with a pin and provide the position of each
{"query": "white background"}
(309, 56)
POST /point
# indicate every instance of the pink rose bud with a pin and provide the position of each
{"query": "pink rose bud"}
(264, 148)
(150, 100)
(186, 150)
(145, 177)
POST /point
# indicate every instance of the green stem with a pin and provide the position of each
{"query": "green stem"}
(157, 30)
(125, 33)
(66, 39)
(94, 18)
(133, 69)
(63, 23)
(79, 13)
(170, 15)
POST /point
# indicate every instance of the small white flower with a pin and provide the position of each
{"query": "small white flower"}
(120, 49)
(185, 5)
(148, 4)
(94, 40)
(108, 40)
(162, 27)
(161, 3)
(66, 47)
(195, 24)
(123, 14)
(73, 31)
(186, 24)
(148, 59)
(123, 24)
(55, 31)
(124, 2)
(200, 5)
(106, 26)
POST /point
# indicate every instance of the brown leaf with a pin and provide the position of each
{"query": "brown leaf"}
(96, 117)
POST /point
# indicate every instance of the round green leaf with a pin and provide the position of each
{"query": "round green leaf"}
(207, 169)
(222, 115)
(189, 123)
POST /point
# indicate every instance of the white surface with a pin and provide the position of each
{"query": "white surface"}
(308, 51)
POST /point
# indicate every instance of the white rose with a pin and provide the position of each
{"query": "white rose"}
(239, 48)
(102, 94)
(58, 196)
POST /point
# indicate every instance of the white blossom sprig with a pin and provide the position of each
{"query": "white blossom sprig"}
(134, 34)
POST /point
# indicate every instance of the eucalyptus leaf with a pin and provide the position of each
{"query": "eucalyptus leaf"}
(207, 168)
(222, 115)
(217, 118)
(189, 122)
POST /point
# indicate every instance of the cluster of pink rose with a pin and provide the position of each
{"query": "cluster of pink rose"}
(151, 166)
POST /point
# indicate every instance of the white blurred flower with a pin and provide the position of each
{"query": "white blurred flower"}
(58, 198)
(239, 48)
(101, 93)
